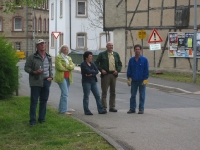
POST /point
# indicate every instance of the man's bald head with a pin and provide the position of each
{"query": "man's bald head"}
(109, 46)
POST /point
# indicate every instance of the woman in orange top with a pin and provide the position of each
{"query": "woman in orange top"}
(63, 76)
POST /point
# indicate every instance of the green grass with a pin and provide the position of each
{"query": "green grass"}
(175, 76)
(60, 132)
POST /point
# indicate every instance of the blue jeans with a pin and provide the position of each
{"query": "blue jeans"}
(64, 87)
(142, 90)
(87, 87)
(41, 93)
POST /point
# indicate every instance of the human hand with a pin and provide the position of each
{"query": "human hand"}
(88, 75)
(145, 82)
(129, 81)
(103, 71)
(49, 79)
(115, 72)
(40, 70)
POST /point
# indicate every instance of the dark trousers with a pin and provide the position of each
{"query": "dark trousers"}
(108, 80)
(41, 93)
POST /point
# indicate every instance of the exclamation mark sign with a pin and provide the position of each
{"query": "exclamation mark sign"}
(154, 35)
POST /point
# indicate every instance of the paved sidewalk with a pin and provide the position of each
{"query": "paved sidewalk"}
(162, 83)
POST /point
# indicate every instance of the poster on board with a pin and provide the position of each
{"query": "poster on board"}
(181, 44)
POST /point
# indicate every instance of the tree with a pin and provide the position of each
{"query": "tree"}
(95, 13)
(95, 16)
(8, 69)
(11, 5)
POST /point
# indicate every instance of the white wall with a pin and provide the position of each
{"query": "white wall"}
(77, 25)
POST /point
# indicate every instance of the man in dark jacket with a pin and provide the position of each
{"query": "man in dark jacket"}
(39, 67)
(109, 64)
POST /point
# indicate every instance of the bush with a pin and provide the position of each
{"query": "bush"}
(8, 69)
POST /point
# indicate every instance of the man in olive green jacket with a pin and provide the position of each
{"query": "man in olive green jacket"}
(109, 64)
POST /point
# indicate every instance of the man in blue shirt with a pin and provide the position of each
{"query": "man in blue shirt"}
(137, 77)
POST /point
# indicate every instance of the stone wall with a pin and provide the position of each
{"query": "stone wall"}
(24, 38)
(115, 19)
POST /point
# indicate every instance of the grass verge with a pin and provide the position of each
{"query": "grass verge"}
(175, 76)
(60, 132)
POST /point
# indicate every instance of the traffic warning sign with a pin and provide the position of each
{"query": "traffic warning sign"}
(56, 34)
(155, 37)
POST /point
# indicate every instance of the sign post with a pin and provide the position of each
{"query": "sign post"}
(56, 35)
(142, 35)
(154, 38)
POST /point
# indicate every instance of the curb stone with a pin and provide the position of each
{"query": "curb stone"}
(106, 137)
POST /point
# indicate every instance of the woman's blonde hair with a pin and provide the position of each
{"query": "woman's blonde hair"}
(60, 50)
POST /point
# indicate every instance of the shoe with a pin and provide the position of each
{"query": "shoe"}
(88, 113)
(103, 112)
(112, 110)
(41, 121)
(67, 113)
(141, 112)
(131, 111)
(70, 109)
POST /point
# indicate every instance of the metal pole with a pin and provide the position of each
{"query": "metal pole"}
(195, 42)
(55, 27)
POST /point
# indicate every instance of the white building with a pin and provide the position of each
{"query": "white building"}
(73, 19)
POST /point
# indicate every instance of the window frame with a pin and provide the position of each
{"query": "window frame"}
(86, 9)
(19, 45)
(44, 25)
(35, 25)
(85, 41)
(40, 24)
(52, 11)
(100, 39)
(61, 8)
(61, 39)
(15, 17)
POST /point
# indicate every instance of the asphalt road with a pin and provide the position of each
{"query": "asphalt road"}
(170, 122)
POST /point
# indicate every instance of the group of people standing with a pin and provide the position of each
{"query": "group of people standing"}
(39, 67)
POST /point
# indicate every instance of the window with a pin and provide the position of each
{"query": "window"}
(39, 24)
(35, 24)
(52, 40)
(18, 46)
(61, 8)
(61, 39)
(103, 40)
(1, 24)
(44, 25)
(52, 11)
(81, 8)
(17, 24)
(81, 40)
